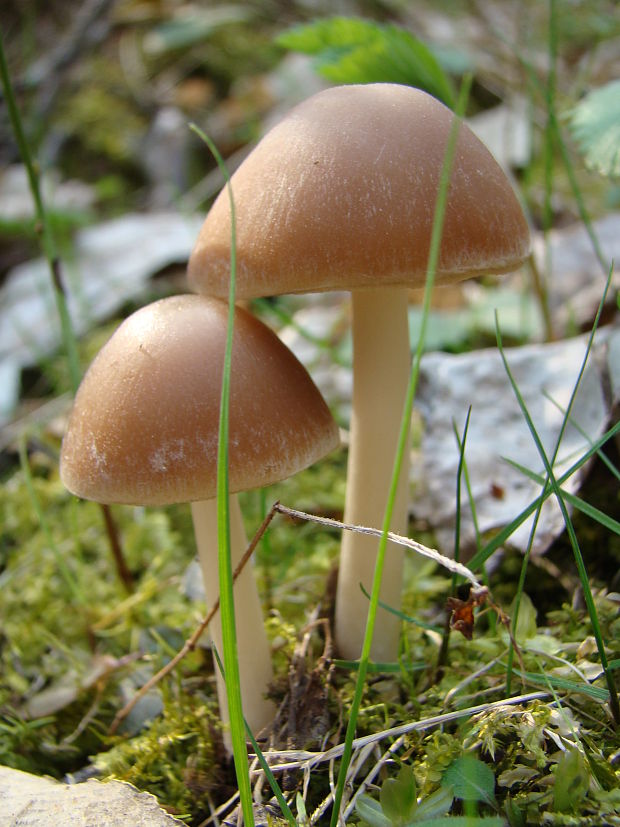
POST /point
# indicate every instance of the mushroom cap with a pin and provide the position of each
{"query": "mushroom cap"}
(144, 425)
(341, 195)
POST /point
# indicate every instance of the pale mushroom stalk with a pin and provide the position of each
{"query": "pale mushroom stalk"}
(252, 644)
(381, 374)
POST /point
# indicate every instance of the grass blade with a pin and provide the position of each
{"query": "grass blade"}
(581, 569)
(505, 533)
(227, 605)
(286, 810)
(594, 692)
(402, 441)
(549, 466)
(48, 245)
(589, 510)
(42, 226)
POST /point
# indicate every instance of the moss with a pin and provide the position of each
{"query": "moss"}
(175, 758)
(101, 113)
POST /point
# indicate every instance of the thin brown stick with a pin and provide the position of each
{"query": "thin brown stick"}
(425, 551)
(278, 508)
(191, 643)
(122, 568)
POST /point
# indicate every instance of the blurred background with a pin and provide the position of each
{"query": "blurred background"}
(107, 90)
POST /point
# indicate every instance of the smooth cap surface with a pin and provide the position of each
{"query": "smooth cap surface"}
(341, 195)
(144, 426)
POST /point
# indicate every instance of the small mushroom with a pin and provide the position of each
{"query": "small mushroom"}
(144, 430)
(340, 195)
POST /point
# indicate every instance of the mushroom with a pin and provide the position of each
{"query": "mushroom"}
(144, 430)
(340, 195)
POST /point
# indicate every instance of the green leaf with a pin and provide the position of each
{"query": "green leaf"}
(302, 815)
(353, 50)
(602, 770)
(526, 622)
(572, 780)
(331, 33)
(595, 124)
(370, 811)
(513, 813)
(471, 779)
(435, 805)
(398, 796)
(596, 692)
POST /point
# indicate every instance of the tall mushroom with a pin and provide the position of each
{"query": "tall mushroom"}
(340, 195)
(144, 430)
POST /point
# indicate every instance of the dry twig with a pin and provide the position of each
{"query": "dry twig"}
(278, 508)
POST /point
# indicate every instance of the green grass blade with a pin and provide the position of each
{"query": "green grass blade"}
(581, 569)
(43, 225)
(404, 617)
(600, 454)
(481, 557)
(504, 535)
(555, 136)
(276, 309)
(589, 510)
(549, 465)
(286, 811)
(549, 141)
(438, 219)
(227, 605)
(382, 668)
(581, 205)
(595, 692)
(461, 471)
(43, 228)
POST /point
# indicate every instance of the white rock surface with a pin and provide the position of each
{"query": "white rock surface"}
(111, 263)
(545, 374)
(33, 801)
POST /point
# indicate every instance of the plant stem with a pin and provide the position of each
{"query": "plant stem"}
(42, 225)
(227, 604)
(117, 551)
(48, 245)
(438, 219)
(253, 646)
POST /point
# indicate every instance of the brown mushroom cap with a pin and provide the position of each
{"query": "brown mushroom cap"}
(341, 195)
(144, 426)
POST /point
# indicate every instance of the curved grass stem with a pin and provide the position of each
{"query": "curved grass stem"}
(227, 605)
(433, 259)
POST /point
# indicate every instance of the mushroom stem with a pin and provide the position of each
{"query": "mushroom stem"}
(253, 649)
(381, 367)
